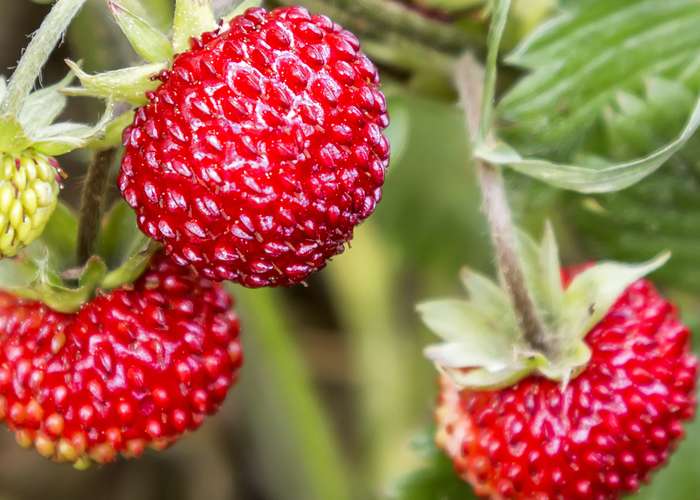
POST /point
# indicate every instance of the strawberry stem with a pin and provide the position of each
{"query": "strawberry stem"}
(502, 230)
(36, 54)
(476, 88)
(91, 203)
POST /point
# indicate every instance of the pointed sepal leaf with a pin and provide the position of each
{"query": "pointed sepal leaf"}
(480, 379)
(148, 42)
(472, 339)
(61, 138)
(113, 132)
(192, 18)
(36, 280)
(42, 107)
(483, 347)
(13, 138)
(594, 291)
(127, 85)
(133, 266)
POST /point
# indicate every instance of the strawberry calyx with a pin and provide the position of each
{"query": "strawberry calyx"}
(192, 18)
(46, 270)
(483, 346)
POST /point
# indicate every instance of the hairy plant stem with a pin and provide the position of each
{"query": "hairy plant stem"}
(36, 54)
(91, 203)
(469, 76)
(503, 236)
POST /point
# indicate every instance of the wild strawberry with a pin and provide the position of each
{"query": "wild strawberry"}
(135, 367)
(601, 435)
(29, 187)
(588, 413)
(261, 150)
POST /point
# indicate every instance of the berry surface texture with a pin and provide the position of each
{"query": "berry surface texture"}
(135, 367)
(261, 150)
(600, 436)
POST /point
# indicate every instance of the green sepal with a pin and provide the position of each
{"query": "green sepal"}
(241, 7)
(483, 347)
(113, 132)
(33, 127)
(45, 270)
(13, 138)
(147, 41)
(3, 88)
(35, 280)
(42, 107)
(62, 138)
(127, 85)
(133, 267)
(192, 18)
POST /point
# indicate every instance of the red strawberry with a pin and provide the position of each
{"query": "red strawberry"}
(602, 435)
(135, 367)
(261, 150)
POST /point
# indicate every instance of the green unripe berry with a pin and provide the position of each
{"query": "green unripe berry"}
(29, 187)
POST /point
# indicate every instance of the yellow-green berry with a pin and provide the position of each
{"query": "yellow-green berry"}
(29, 187)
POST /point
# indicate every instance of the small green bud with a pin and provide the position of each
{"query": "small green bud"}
(29, 187)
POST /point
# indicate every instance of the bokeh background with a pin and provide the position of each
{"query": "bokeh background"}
(335, 399)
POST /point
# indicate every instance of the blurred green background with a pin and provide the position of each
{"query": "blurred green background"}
(335, 399)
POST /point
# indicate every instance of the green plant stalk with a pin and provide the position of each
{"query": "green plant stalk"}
(37, 53)
(290, 427)
(92, 201)
(386, 359)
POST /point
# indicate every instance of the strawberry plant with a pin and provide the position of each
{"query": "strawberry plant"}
(240, 148)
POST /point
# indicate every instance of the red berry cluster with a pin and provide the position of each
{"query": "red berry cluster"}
(135, 367)
(597, 438)
(261, 150)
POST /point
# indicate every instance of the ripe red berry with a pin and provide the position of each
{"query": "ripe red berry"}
(135, 367)
(602, 435)
(261, 150)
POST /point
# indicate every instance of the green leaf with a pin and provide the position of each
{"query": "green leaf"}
(472, 338)
(582, 59)
(128, 84)
(148, 42)
(594, 291)
(192, 18)
(590, 179)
